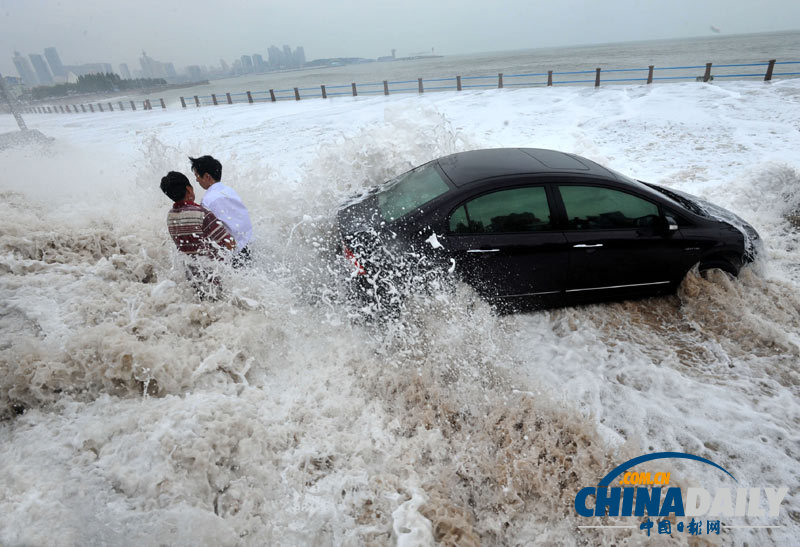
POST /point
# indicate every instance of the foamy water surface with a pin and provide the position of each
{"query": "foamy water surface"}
(132, 413)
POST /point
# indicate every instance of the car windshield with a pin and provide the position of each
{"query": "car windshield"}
(687, 200)
(410, 191)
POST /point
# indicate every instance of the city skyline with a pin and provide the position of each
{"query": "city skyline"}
(35, 71)
(200, 33)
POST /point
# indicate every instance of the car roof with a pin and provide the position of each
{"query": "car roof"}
(467, 167)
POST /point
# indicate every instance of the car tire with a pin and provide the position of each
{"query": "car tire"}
(718, 264)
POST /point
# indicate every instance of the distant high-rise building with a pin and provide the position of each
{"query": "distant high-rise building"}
(156, 69)
(150, 67)
(42, 72)
(51, 54)
(258, 62)
(223, 65)
(299, 56)
(24, 69)
(247, 64)
(275, 57)
(288, 60)
(124, 71)
(195, 73)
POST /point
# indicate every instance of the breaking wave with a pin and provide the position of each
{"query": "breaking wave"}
(131, 411)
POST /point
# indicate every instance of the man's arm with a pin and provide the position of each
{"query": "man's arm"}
(230, 211)
(215, 232)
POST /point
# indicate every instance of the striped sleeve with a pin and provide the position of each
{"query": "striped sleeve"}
(215, 232)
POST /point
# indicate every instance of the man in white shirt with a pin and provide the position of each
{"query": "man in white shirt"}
(225, 203)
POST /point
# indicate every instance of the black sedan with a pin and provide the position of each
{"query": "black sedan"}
(524, 226)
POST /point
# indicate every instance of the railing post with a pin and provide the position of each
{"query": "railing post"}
(386, 87)
(549, 78)
(75, 108)
(163, 106)
(228, 96)
(91, 108)
(61, 106)
(707, 75)
(83, 108)
(100, 106)
(597, 78)
(419, 83)
(650, 74)
(110, 107)
(183, 102)
(147, 105)
(296, 94)
(133, 105)
(355, 91)
(324, 93)
(271, 96)
(458, 83)
(197, 101)
(250, 97)
(500, 81)
(214, 99)
(768, 75)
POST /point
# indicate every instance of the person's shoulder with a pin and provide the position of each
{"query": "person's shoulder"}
(186, 207)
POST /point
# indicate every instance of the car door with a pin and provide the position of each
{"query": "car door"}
(506, 243)
(619, 243)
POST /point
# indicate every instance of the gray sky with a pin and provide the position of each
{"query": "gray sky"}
(203, 31)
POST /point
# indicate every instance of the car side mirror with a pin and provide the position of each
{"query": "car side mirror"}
(667, 225)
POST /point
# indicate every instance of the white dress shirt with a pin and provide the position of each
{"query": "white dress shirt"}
(226, 204)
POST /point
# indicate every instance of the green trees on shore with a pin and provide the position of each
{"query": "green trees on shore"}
(95, 83)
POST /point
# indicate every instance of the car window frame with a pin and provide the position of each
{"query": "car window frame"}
(506, 184)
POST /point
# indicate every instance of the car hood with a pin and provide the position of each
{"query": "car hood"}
(752, 239)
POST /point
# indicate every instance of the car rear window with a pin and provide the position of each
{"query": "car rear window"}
(507, 211)
(410, 191)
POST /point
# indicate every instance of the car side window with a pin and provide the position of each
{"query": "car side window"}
(597, 208)
(515, 210)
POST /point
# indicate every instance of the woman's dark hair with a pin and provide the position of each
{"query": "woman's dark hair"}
(174, 185)
(207, 164)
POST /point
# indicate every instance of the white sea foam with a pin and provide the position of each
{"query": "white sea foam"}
(133, 413)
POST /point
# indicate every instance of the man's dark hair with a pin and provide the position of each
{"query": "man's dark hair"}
(174, 185)
(207, 164)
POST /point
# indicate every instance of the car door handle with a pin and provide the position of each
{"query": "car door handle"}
(585, 246)
(483, 250)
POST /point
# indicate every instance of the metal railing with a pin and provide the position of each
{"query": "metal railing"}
(549, 78)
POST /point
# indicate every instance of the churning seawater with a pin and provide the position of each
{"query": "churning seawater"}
(132, 413)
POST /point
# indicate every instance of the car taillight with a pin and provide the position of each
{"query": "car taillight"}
(348, 254)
